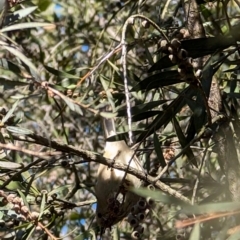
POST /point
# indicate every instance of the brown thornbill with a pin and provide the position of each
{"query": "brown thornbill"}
(114, 200)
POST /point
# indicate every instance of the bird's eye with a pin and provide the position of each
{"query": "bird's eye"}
(99, 215)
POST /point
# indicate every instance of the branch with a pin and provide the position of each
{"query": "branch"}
(89, 156)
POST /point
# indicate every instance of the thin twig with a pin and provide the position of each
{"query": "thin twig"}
(103, 59)
(204, 218)
(124, 64)
(199, 174)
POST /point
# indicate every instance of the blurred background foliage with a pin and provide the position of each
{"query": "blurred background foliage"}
(55, 78)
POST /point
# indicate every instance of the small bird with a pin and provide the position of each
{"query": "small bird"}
(114, 201)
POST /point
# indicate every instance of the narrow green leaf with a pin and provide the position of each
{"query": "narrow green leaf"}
(211, 208)
(162, 63)
(74, 107)
(195, 234)
(24, 12)
(8, 65)
(17, 15)
(23, 58)
(141, 108)
(108, 114)
(21, 26)
(169, 112)
(234, 236)
(13, 185)
(18, 130)
(159, 196)
(234, 69)
(9, 165)
(43, 203)
(146, 115)
(183, 142)
(59, 189)
(158, 80)
(29, 232)
(9, 84)
(23, 198)
(59, 73)
(10, 112)
(44, 4)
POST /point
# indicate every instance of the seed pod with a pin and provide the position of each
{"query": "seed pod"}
(135, 235)
(135, 209)
(182, 54)
(130, 217)
(69, 92)
(198, 73)
(38, 228)
(16, 208)
(185, 33)
(21, 218)
(175, 43)
(151, 187)
(10, 197)
(179, 36)
(48, 215)
(142, 204)
(131, 20)
(59, 212)
(139, 229)
(50, 199)
(172, 58)
(170, 49)
(189, 61)
(9, 224)
(2, 223)
(2, 194)
(4, 201)
(140, 216)
(24, 210)
(64, 163)
(163, 45)
(21, 202)
(38, 199)
(133, 220)
(44, 191)
(182, 72)
(145, 24)
(54, 196)
(150, 201)
(16, 200)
